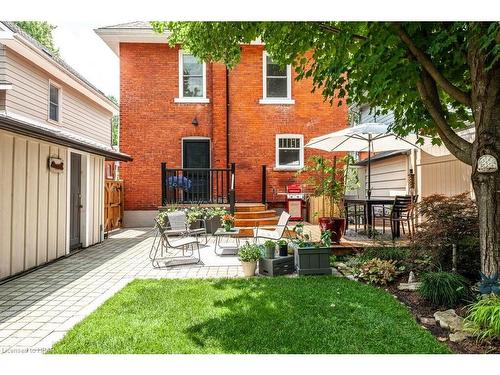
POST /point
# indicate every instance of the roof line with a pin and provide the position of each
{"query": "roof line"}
(64, 139)
(56, 60)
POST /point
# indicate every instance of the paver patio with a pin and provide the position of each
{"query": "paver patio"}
(37, 309)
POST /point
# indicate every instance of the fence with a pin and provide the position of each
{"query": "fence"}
(113, 204)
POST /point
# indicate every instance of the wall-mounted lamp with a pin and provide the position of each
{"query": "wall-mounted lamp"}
(195, 121)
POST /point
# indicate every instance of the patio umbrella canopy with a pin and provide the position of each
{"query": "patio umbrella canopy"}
(369, 137)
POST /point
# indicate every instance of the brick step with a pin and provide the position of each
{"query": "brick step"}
(254, 214)
(249, 207)
(259, 222)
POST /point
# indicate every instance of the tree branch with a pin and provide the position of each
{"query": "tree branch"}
(336, 30)
(424, 60)
(458, 146)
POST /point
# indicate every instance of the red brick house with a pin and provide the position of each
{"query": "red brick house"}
(176, 110)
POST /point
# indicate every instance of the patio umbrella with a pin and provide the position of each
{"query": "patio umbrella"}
(369, 137)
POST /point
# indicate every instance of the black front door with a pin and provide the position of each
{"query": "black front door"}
(196, 154)
(75, 201)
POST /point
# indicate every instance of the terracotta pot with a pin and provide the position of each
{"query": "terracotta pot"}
(335, 224)
(249, 268)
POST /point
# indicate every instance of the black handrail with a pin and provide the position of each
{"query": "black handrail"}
(196, 185)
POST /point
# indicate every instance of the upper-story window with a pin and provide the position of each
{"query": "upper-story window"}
(54, 102)
(276, 82)
(192, 80)
(289, 151)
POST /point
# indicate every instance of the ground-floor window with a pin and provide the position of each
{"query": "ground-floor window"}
(289, 151)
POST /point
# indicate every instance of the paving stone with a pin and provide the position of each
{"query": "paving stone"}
(45, 304)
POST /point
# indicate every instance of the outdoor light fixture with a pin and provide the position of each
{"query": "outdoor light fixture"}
(195, 121)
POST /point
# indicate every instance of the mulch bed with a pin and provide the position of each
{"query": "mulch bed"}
(420, 308)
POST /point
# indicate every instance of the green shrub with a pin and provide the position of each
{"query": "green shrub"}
(443, 288)
(377, 271)
(395, 253)
(483, 318)
(448, 221)
(250, 253)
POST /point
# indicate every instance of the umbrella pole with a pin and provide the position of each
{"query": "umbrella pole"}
(369, 193)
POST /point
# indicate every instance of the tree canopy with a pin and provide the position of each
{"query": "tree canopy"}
(40, 31)
(363, 62)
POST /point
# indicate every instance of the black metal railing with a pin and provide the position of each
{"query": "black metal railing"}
(197, 185)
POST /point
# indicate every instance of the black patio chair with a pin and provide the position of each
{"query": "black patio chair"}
(399, 213)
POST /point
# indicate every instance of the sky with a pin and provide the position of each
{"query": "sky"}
(81, 48)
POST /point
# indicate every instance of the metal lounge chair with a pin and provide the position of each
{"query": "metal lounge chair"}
(167, 250)
(275, 234)
(178, 223)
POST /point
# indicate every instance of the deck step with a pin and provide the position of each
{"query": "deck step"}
(256, 222)
(254, 214)
(249, 207)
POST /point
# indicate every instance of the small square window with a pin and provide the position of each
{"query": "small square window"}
(54, 94)
(289, 152)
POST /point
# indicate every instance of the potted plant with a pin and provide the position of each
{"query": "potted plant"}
(312, 258)
(249, 255)
(213, 216)
(330, 181)
(227, 222)
(283, 248)
(194, 215)
(270, 249)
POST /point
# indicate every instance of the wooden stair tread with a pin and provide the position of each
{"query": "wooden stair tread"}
(247, 207)
(254, 214)
(256, 221)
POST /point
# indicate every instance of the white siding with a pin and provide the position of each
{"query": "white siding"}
(367, 114)
(388, 176)
(29, 97)
(443, 175)
(34, 203)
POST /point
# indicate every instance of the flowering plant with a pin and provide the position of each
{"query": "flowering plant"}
(227, 221)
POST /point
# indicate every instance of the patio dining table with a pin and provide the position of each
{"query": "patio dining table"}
(368, 204)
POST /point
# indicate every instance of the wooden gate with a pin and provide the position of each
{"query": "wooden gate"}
(113, 205)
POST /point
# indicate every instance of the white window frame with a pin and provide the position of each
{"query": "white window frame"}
(265, 100)
(59, 99)
(301, 153)
(181, 98)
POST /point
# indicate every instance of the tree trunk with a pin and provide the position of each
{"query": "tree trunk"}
(485, 95)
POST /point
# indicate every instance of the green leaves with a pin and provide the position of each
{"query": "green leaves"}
(41, 31)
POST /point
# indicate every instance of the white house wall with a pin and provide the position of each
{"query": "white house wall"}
(34, 203)
(29, 97)
(389, 176)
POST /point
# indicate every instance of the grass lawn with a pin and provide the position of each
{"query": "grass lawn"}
(256, 315)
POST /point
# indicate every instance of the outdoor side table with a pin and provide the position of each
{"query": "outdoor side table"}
(231, 249)
(277, 266)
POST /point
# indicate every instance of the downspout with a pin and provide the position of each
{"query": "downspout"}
(227, 117)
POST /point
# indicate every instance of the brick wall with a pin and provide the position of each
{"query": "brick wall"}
(152, 125)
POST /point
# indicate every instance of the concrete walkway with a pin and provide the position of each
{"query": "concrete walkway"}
(36, 310)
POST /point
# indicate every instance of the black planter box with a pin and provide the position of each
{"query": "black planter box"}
(313, 261)
(213, 224)
(277, 266)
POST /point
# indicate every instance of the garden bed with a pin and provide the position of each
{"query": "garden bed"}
(419, 307)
